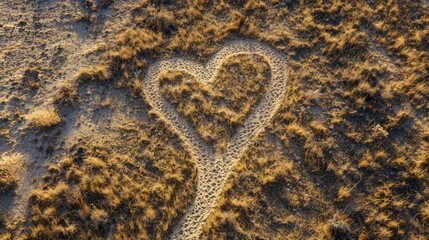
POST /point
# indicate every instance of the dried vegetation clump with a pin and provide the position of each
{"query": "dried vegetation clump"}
(218, 109)
(42, 118)
(7, 177)
(10, 171)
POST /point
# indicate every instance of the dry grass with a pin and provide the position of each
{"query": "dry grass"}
(10, 171)
(102, 190)
(7, 177)
(356, 108)
(217, 110)
(42, 118)
(268, 189)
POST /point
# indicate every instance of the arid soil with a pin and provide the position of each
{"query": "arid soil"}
(86, 152)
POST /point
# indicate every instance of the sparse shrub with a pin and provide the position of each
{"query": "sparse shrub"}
(339, 227)
(42, 118)
(343, 193)
(99, 72)
(424, 211)
(7, 177)
(66, 94)
(10, 170)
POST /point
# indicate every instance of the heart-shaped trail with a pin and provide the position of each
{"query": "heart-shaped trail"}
(216, 111)
(214, 167)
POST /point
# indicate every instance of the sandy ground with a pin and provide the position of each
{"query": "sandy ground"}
(43, 43)
(336, 149)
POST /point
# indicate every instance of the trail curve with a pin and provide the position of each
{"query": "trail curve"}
(214, 167)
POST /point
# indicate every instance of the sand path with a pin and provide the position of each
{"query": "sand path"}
(214, 167)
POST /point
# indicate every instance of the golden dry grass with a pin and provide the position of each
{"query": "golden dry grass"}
(217, 110)
(42, 118)
(7, 177)
(346, 155)
(101, 190)
(10, 170)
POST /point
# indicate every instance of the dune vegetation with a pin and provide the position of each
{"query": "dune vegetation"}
(346, 155)
(122, 195)
(43, 118)
(216, 111)
(8, 178)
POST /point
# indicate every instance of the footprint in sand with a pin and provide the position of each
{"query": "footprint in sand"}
(215, 166)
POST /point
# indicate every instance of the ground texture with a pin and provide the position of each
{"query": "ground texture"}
(85, 155)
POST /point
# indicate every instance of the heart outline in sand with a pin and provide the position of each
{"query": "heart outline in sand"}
(214, 167)
(247, 76)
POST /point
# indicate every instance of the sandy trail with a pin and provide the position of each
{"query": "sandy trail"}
(214, 167)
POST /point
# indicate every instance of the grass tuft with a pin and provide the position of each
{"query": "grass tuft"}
(42, 118)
